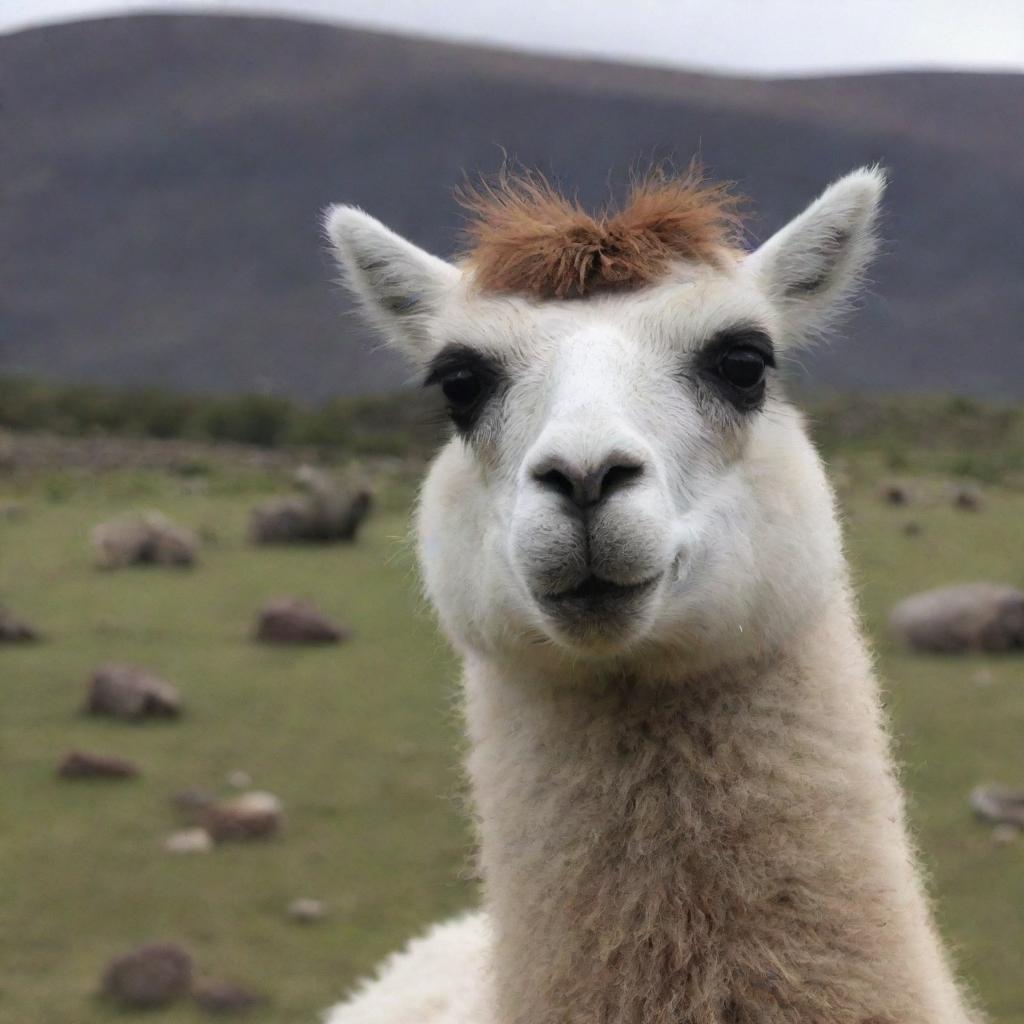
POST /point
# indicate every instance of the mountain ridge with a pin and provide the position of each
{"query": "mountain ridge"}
(167, 173)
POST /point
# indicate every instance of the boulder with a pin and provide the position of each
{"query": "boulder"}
(968, 617)
(81, 765)
(225, 997)
(894, 493)
(146, 538)
(327, 511)
(189, 840)
(253, 815)
(291, 621)
(128, 692)
(968, 499)
(14, 630)
(999, 804)
(151, 976)
(307, 911)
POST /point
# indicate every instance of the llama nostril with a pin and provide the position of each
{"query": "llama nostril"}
(557, 481)
(618, 476)
(587, 488)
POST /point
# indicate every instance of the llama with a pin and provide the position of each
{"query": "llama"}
(687, 806)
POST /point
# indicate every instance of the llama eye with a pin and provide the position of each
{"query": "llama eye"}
(462, 388)
(743, 367)
(468, 379)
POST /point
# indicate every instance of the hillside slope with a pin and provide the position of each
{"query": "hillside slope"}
(162, 178)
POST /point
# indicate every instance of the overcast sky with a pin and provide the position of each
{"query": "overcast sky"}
(752, 36)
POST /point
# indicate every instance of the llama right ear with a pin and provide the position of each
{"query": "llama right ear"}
(397, 284)
(812, 266)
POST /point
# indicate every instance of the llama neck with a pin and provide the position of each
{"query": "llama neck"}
(724, 850)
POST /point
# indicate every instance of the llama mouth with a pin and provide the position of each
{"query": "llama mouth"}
(595, 596)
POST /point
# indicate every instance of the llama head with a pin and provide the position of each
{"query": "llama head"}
(624, 476)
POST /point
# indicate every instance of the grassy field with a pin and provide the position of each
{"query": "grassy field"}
(361, 744)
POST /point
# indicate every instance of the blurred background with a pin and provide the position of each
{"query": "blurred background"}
(246, 750)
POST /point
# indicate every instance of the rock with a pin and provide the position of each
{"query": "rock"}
(147, 538)
(253, 815)
(968, 499)
(291, 621)
(14, 630)
(968, 617)
(999, 804)
(128, 692)
(150, 976)
(894, 493)
(12, 510)
(189, 840)
(80, 765)
(1003, 835)
(225, 997)
(239, 779)
(327, 511)
(307, 911)
(912, 528)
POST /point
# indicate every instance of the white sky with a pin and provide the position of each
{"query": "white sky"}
(743, 36)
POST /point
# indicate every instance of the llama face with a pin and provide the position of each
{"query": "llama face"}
(624, 474)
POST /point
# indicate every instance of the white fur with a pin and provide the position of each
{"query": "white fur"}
(421, 984)
(588, 734)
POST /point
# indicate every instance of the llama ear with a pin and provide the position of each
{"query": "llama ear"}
(814, 264)
(397, 284)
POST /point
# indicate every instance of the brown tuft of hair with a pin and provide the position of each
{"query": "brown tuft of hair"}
(525, 237)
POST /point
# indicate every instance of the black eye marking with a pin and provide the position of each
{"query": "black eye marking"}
(735, 365)
(468, 380)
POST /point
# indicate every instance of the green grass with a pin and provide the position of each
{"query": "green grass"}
(361, 743)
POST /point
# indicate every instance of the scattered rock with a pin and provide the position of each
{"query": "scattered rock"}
(329, 510)
(189, 840)
(894, 493)
(968, 617)
(999, 804)
(125, 691)
(146, 538)
(967, 498)
(14, 630)
(225, 997)
(150, 976)
(307, 911)
(912, 528)
(239, 779)
(1003, 835)
(291, 621)
(81, 765)
(253, 815)
(984, 677)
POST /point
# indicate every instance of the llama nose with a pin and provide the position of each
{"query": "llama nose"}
(587, 485)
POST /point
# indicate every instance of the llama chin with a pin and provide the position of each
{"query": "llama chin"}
(688, 810)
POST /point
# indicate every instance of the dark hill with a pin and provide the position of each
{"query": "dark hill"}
(161, 179)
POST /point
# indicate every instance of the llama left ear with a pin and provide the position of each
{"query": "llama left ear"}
(398, 285)
(814, 264)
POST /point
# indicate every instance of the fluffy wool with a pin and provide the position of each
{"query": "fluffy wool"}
(688, 811)
(526, 238)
